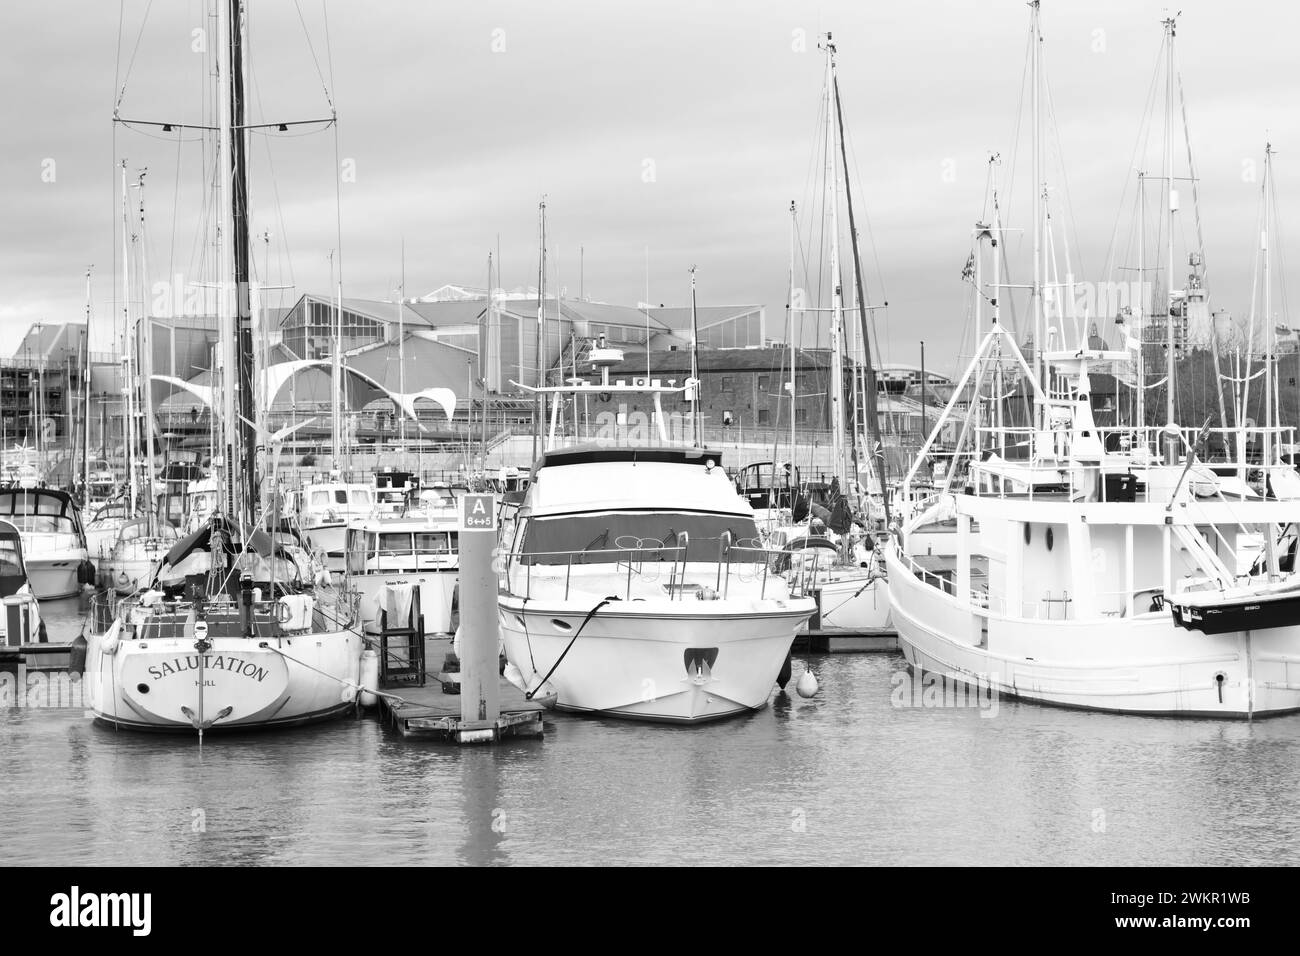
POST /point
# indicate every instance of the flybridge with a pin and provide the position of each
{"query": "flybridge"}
(584, 454)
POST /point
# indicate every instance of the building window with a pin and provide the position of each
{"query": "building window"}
(762, 383)
(764, 416)
(801, 416)
(725, 383)
(801, 381)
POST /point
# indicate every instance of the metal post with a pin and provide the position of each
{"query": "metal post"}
(480, 689)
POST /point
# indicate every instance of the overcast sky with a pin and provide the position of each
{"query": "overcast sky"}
(685, 127)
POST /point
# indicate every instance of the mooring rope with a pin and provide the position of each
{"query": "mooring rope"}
(542, 683)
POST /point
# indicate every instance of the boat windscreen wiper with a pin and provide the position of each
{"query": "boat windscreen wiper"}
(603, 537)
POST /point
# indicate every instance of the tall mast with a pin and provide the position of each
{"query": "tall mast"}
(876, 446)
(146, 363)
(1171, 362)
(1036, 311)
(794, 238)
(336, 374)
(243, 317)
(837, 308)
(226, 335)
(1141, 299)
(1268, 312)
(85, 400)
(695, 367)
(541, 320)
(128, 371)
(401, 352)
(487, 360)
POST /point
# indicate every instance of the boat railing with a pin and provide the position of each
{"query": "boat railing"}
(1051, 606)
(168, 619)
(643, 560)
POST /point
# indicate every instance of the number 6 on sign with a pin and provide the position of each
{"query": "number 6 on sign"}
(477, 513)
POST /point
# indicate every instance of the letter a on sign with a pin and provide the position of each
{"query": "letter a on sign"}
(478, 513)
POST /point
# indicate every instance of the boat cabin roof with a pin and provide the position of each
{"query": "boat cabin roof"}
(400, 525)
(632, 479)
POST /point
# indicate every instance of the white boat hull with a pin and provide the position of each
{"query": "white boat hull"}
(54, 578)
(1143, 664)
(665, 660)
(153, 685)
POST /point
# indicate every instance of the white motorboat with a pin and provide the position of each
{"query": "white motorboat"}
(324, 510)
(420, 551)
(636, 586)
(54, 543)
(103, 525)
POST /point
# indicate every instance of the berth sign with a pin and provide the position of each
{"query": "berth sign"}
(478, 513)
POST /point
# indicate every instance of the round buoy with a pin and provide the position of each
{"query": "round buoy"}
(807, 685)
(783, 678)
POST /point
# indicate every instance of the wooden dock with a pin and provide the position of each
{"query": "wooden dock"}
(432, 713)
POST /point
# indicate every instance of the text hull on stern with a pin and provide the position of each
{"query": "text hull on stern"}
(658, 663)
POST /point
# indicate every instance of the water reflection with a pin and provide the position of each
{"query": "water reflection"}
(846, 777)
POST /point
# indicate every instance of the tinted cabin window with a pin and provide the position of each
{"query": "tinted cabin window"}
(431, 542)
(595, 538)
(394, 543)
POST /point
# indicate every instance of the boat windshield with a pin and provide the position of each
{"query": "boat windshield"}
(11, 563)
(598, 538)
(37, 512)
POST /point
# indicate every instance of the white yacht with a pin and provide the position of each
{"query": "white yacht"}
(636, 586)
(324, 510)
(421, 551)
(54, 543)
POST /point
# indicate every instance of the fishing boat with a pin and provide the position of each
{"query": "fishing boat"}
(234, 632)
(54, 543)
(1073, 575)
(635, 584)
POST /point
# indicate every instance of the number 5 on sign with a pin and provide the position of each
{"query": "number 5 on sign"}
(478, 513)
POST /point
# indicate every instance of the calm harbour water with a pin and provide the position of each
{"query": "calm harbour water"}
(846, 777)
